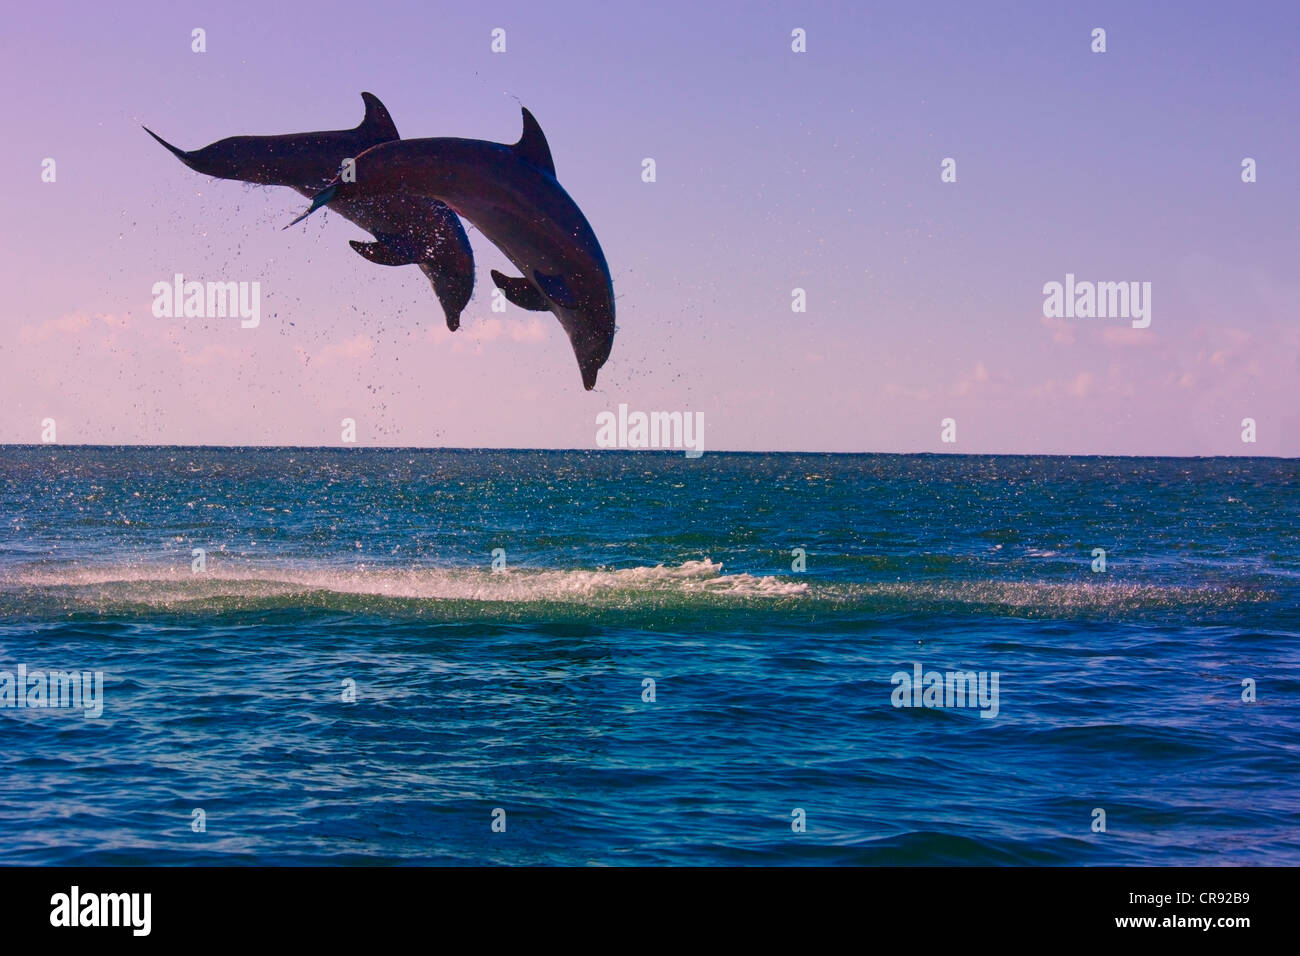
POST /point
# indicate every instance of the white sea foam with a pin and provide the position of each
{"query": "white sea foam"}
(153, 584)
(236, 579)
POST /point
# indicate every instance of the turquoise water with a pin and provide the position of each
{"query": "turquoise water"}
(522, 688)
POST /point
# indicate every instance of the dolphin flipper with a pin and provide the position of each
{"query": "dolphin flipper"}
(521, 292)
(389, 250)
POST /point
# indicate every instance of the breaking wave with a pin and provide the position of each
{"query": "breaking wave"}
(162, 587)
(230, 585)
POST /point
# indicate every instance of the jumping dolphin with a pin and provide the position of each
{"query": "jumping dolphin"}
(409, 229)
(511, 194)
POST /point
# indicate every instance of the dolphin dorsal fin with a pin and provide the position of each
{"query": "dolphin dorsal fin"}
(377, 122)
(532, 146)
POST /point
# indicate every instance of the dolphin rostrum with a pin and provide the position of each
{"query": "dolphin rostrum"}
(408, 229)
(511, 194)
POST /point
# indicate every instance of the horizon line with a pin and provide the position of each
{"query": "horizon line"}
(636, 451)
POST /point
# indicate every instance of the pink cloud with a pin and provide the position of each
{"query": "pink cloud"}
(1125, 337)
(71, 324)
(475, 333)
(350, 352)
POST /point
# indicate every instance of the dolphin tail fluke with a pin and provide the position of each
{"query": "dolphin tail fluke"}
(322, 198)
(180, 154)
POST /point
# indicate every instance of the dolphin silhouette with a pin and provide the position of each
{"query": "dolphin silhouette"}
(511, 194)
(408, 229)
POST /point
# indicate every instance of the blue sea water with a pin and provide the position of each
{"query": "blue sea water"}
(522, 689)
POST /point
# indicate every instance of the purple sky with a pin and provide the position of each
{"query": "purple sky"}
(776, 170)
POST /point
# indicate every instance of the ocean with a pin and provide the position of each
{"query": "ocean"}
(404, 656)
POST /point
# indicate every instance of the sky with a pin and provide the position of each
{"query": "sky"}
(775, 171)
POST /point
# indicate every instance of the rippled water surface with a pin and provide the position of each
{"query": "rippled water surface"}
(522, 688)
